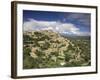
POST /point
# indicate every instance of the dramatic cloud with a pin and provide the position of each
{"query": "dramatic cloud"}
(80, 18)
(66, 28)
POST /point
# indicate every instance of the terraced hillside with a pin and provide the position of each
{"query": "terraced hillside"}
(48, 49)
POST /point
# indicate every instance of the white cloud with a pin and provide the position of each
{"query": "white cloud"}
(67, 28)
(82, 33)
(48, 28)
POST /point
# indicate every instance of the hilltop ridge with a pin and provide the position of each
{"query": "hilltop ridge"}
(46, 49)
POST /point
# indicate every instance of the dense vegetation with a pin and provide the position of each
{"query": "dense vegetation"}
(47, 49)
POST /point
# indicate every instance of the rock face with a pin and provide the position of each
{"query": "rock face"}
(48, 49)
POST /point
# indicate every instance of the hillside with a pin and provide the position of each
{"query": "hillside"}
(48, 49)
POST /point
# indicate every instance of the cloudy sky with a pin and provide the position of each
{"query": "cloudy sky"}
(62, 22)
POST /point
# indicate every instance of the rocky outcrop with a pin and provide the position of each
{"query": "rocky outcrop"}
(50, 49)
